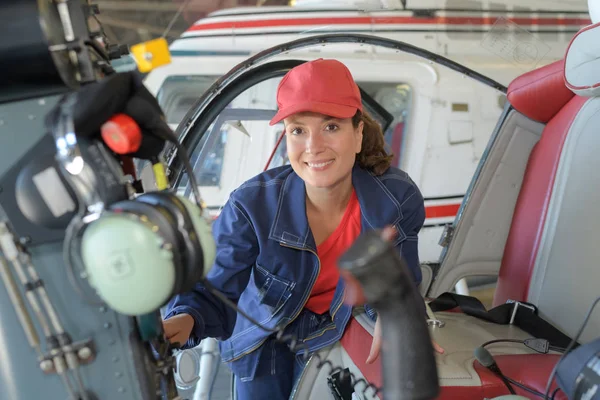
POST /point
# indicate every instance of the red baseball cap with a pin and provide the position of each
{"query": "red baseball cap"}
(321, 86)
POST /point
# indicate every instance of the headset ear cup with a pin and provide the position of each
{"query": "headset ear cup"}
(191, 250)
(165, 227)
(129, 262)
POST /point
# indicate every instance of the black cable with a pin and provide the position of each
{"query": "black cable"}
(188, 166)
(294, 344)
(534, 344)
(557, 349)
(570, 346)
(555, 391)
(526, 388)
(502, 341)
(540, 345)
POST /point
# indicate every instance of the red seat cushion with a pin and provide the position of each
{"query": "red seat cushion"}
(531, 370)
(541, 93)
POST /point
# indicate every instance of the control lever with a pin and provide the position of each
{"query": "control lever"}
(408, 361)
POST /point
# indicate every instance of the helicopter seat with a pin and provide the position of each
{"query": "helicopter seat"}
(552, 249)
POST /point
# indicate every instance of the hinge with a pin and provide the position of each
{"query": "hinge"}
(447, 236)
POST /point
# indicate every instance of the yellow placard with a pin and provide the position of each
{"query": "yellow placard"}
(160, 176)
(151, 54)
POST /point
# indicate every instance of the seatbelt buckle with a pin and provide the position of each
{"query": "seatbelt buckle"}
(516, 307)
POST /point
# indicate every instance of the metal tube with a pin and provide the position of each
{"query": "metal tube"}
(12, 254)
(34, 277)
(19, 305)
(64, 339)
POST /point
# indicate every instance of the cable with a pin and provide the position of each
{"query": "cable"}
(526, 388)
(540, 345)
(570, 346)
(188, 166)
(294, 344)
(555, 391)
(73, 229)
(502, 341)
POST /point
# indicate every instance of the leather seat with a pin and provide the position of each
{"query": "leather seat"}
(552, 250)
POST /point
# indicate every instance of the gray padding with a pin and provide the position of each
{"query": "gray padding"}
(480, 236)
(459, 337)
(566, 277)
(427, 274)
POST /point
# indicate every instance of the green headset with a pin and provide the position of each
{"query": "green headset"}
(136, 253)
(139, 253)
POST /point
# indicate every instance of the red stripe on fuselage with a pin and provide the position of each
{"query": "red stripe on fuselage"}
(441, 211)
(484, 21)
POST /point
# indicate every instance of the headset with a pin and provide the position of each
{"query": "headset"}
(137, 250)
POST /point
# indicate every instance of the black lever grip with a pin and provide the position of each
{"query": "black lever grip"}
(409, 367)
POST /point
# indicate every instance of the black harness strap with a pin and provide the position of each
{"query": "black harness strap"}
(521, 314)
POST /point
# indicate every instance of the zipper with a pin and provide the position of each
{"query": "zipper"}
(332, 318)
(299, 310)
(301, 377)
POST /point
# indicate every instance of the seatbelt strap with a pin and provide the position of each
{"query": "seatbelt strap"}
(521, 314)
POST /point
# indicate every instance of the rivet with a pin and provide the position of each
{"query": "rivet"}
(102, 309)
(31, 117)
(115, 359)
(118, 374)
(107, 325)
(121, 390)
(84, 353)
(46, 365)
(112, 342)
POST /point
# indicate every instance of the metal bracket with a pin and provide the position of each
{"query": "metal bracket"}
(436, 323)
(85, 351)
(516, 307)
(432, 320)
(447, 235)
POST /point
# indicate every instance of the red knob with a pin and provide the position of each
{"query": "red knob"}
(122, 134)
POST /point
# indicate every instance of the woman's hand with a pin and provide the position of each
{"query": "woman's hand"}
(178, 328)
(376, 345)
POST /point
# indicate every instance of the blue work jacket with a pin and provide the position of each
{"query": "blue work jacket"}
(267, 260)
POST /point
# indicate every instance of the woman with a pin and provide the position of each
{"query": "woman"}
(279, 234)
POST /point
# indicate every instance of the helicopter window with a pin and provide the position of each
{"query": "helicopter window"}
(179, 93)
(237, 145)
(395, 98)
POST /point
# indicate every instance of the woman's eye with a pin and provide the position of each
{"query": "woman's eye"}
(296, 131)
(331, 127)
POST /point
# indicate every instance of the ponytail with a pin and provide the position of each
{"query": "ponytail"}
(372, 156)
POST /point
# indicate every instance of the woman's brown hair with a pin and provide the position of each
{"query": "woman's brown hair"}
(373, 155)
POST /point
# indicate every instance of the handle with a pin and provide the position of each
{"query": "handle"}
(409, 367)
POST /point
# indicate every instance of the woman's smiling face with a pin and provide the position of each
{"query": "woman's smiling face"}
(322, 149)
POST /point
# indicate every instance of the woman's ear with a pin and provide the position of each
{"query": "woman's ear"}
(359, 136)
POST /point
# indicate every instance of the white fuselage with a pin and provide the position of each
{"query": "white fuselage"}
(442, 121)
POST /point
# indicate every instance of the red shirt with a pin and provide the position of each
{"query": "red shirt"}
(329, 252)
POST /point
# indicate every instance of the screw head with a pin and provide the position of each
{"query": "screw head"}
(84, 353)
(46, 365)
